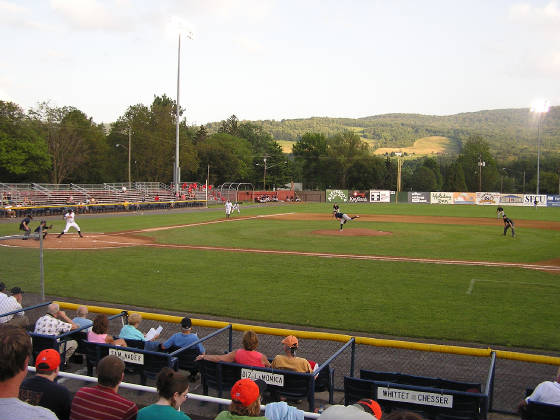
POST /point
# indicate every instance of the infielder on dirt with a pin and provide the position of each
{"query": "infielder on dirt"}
(508, 223)
(69, 217)
(343, 218)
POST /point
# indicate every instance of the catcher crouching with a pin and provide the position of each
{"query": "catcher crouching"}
(42, 227)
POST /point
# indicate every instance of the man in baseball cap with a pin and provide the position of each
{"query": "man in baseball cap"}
(289, 360)
(41, 388)
(13, 303)
(245, 400)
(364, 409)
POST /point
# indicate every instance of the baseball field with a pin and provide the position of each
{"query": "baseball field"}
(432, 271)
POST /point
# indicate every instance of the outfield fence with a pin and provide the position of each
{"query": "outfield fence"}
(514, 373)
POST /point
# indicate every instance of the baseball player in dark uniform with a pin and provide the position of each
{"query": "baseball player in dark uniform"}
(335, 208)
(42, 227)
(508, 223)
(24, 225)
(343, 218)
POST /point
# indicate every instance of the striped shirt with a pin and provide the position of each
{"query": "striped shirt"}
(101, 403)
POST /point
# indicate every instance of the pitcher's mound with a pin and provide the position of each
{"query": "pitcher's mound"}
(351, 232)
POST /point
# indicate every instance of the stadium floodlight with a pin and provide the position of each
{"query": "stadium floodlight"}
(539, 107)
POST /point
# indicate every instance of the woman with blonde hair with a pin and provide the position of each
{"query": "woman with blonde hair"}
(131, 332)
(248, 355)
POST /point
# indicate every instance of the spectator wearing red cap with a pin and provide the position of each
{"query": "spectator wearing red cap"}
(364, 409)
(289, 360)
(245, 401)
(42, 390)
(248, 355)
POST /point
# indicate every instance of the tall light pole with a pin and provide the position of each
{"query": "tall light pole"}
(539, 107)
(177, 169)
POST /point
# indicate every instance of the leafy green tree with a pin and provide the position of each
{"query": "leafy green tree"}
(455, 178)
(230, 126)
(366, 172)
(23, 151)
(343, 150)
(474, 150)
(424, 179)
(311, 151)
(201, 135)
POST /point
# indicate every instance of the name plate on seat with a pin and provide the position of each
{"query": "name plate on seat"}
(415, 397)
(269, 378)
(128, 356)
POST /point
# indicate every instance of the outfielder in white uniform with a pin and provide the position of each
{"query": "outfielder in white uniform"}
(229, 208)
(69, 217)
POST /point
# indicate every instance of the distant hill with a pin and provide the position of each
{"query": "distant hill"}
(508, 131)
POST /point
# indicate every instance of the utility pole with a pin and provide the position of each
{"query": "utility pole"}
(480, 165)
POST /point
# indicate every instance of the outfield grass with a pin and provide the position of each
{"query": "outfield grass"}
(508, 306)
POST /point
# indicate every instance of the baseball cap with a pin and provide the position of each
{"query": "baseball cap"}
(16, 290)
(47, 360)
(370, 406)
(246, 391)
(186, 323)
(290, 341)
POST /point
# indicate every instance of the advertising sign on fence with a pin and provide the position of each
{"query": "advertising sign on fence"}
(358, 197)
(419, 197)
(441, 198)
(415, 397)
(529, 200)
(553, 200)
(487, 198)
(337, 195)
(511, 199)
(376, 196)
(464, 198)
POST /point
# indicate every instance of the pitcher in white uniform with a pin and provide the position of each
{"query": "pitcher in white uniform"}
(69, 217)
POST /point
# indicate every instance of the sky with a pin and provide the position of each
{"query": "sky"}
(280, 59)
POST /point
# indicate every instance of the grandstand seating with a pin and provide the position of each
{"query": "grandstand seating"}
(222, 376)
(402, 378)
(145, 363)
(541, 411)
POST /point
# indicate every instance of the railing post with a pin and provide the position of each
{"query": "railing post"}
(230, 338)
(353, 355)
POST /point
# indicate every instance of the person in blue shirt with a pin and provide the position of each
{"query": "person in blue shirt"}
(131, 332)
(81, 318)
(184, 338)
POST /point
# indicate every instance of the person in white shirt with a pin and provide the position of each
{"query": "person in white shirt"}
(13, 303)
(69, 216)
(3, 294)
(546, 392)
(229, 208)
(56, 322)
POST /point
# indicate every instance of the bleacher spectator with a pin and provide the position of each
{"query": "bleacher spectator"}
(289, 360)
(3, 294)
(13, 303)
(56, 322)
(184, 339)
(102, 401)
(173, 388)
(248, 355)
(99, 332)
(42, 389)
(131, 332)
(15, 351)
(245, 400)
(364, 409)
(81, 317)
(547, 392)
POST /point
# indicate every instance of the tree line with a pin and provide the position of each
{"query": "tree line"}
(50, 144)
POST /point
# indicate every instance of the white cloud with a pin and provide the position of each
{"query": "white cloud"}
(94, 15)
(250, 46)
(544, 17)
(9, 7)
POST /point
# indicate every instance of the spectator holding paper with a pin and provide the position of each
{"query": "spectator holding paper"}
(131, 332)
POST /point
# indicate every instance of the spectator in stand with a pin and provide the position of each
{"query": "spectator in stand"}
(156, 198)
(173, 388)
(248, 355)
(98, 333)
(15, 351)
(102, 401)
(546, 392)
(42, 389)
(81, 318)
(56, 322)
(365, 409)
(289, 360)
(184, 339)
(245, 400)
(131, 332)
(13, 303)
(3, 294)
